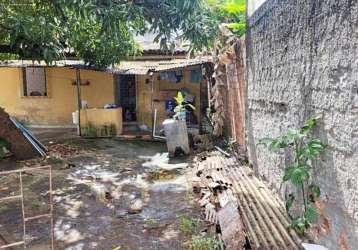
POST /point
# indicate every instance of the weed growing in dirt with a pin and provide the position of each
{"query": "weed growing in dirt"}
(305, 149)
(150, 221)
(188, 225)
(205, 242)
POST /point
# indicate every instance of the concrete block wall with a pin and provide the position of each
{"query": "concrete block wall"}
(302, 61)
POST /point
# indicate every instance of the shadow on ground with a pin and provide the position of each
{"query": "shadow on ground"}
(103, 197)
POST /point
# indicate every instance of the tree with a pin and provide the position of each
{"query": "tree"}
(232, 13)
(99, 31)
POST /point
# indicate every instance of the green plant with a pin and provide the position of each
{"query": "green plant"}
(90, 130)
(112, 130)
(181, 106)
(230, 12)
(304, 149)
(205, 242)
(188, 225)
(4, 146)
(101, 33)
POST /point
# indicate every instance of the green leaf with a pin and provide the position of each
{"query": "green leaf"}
(314, 192)
(179, 98)
(265, 141)
(311, 150)
(294, 135)
(274, 144)
(296, 174)
(311, 215)
(309, 125)
(299, 225)
(4, 143)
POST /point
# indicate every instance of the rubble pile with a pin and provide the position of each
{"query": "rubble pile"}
(62, 150)
(249, 215)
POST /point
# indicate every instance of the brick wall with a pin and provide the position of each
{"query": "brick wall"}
(234, 91)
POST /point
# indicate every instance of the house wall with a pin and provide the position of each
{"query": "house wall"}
(55, 109)
(163, 90)
(302, 62)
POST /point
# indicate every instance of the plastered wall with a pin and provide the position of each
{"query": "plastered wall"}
(56, 108)
(163, 90)
(302, 61)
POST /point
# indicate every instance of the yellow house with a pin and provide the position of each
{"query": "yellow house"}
(47, 96)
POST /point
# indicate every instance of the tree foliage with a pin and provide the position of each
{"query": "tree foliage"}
(230, 12)
(101, 31)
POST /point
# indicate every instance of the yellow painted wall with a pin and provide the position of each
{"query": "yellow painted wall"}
(55, 109)
(102, 117)
(144, 114)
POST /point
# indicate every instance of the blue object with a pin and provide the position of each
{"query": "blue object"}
(169, 106)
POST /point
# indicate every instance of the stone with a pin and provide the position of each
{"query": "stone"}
(135, 206)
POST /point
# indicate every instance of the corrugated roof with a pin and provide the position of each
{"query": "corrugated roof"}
(143, 67)
(147, 43)
(29, 63)
(125, 67)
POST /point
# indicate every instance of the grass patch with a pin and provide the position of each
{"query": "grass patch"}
(205, 242)
(188, 225)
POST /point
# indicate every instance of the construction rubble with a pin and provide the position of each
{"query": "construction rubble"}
(250, 216)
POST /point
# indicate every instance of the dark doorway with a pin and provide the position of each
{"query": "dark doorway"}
(125, 95)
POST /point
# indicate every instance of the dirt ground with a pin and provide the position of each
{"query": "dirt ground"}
(104, 198)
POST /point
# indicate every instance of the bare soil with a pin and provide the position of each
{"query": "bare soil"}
(96, 183)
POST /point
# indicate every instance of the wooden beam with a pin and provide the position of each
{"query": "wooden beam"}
(152, 100)
(79, 101)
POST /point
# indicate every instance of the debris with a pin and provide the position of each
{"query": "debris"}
(20, 147)
(161, 161)
(307, 246)
(135, 206)
(160, 175)
(232, 229)
(230, 193)
(203, 142)
(62, 151)
(222, 151)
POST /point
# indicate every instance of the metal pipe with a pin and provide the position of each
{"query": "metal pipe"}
(154, 126)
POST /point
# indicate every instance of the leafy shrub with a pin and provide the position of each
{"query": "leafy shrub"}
(304, 148)
(205, 242)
